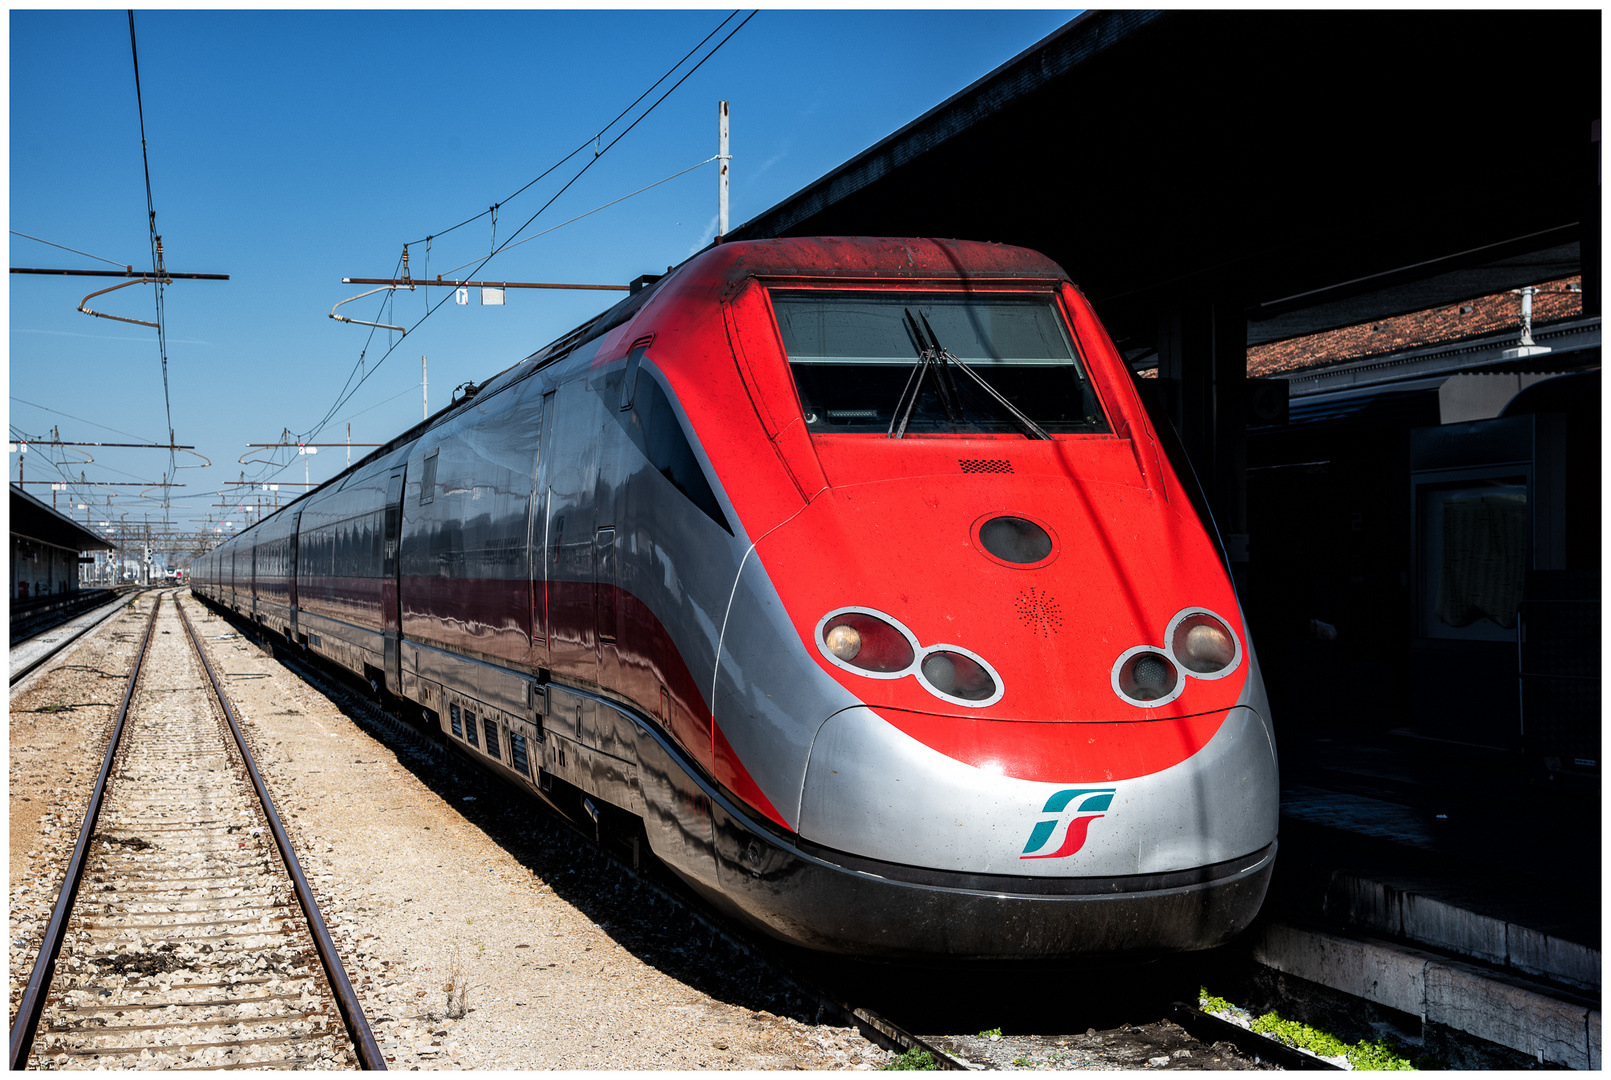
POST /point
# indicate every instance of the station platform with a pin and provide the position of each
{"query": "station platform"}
(24, 656)
(1448, 890)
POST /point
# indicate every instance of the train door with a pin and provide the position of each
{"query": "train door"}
(569, 553)
(606, 605)
(537, 540)
(389, 614)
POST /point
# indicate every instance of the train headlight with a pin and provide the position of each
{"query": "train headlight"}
(844, 642)
(872, 644)
(954, 675)
(862, 641)
(1203, 644)
(1147, 677)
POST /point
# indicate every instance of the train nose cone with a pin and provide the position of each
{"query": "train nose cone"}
(874, 791)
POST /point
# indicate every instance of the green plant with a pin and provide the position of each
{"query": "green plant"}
(1383, 1055)
(1301, 1035)
(914, 1058)
(987, 1034)
(1379, 1055)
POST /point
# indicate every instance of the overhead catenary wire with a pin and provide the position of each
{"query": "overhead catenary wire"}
(75, 251)
(156, 244)
(591, 140)
(599, 152)
(589, 213)
(80, 419)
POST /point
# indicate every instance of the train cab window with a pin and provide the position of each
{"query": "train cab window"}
(860, 358)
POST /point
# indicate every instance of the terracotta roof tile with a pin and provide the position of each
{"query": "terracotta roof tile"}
(1472, 318)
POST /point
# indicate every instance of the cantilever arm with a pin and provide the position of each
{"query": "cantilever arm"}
(361, 322)
(124, 285)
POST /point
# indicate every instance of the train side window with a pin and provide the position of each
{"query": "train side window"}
(668, 450)
(490, 726)
(453, 718)
(517, 753)
(428, 477)
(469, 728)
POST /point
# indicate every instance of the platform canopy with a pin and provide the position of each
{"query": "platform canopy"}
(1312, 169)
(35, 520)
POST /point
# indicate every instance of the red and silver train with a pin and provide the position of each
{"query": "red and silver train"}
(853, 569)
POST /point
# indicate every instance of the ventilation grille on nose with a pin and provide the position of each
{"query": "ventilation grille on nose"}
(984, 465)
(1040, 613)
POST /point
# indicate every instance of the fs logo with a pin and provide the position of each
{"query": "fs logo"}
(1075, 808)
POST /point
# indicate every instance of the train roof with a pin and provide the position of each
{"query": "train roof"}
(878, 257)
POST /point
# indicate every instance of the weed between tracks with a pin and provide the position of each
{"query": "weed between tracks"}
(1384, 1054)
(914, 1059)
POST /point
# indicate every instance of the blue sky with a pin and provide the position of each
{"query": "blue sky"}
(290, 149)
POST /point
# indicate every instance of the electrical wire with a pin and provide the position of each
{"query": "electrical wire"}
(378, 404)
(75, 251)
(80, 419)
(598, 153)
(592, 140)
(156, 255)
(595, 210)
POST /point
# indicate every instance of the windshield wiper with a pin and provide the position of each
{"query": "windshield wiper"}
(941, 356)
(904, 406)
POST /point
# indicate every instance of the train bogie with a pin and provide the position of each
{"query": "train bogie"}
(852, 571)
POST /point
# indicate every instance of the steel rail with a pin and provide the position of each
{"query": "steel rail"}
(32, 1005)
(352, 1013)
(1210, 1029)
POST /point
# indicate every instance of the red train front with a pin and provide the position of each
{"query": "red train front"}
(853, 569)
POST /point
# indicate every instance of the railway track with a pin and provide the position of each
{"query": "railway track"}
(185, 934)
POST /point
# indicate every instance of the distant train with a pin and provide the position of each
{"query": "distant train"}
(854, 571)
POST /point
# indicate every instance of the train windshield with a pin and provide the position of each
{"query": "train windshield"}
(935, 363)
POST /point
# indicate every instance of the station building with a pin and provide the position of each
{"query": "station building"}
(46, 549)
